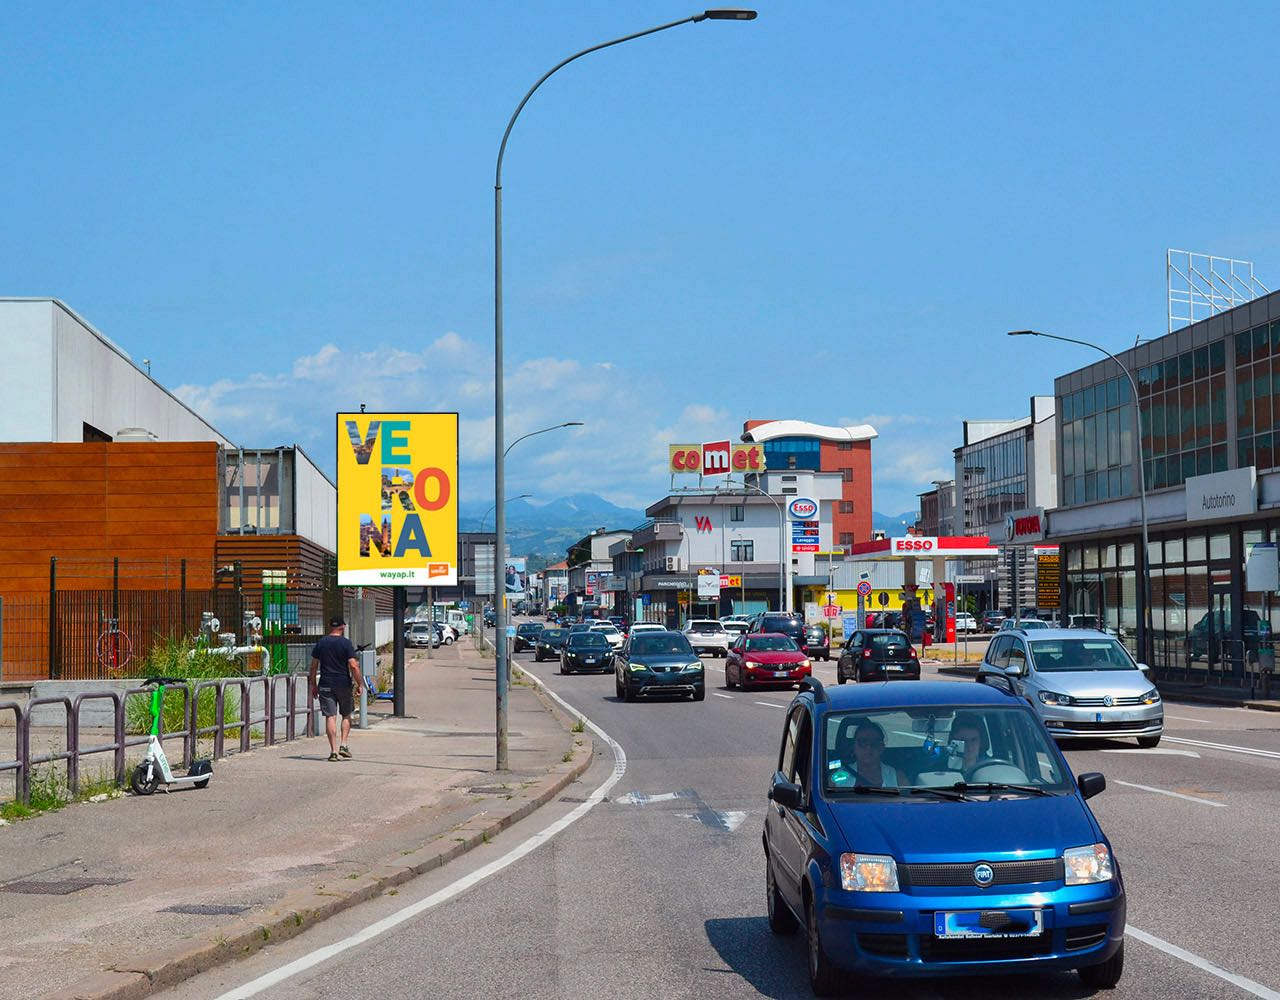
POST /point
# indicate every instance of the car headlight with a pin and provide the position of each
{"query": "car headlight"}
(1088, 864)
(693, 666)
(1053, 698)
(868, 873)
(1152, 697)
(637, 666)
(804, 663)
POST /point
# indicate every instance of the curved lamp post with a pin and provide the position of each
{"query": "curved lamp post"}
(1148, 638)
(571, 423)
(784, 564)
(499, 476)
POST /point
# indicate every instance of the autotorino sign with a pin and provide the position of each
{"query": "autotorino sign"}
(1222, 494)
(1023, 527)
(717, 458)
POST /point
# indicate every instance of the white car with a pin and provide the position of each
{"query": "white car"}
(610, 632)
(706, 635)
(735, 627)
(965, 622)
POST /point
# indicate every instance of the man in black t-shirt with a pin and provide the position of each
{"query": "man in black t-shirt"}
(334, 659)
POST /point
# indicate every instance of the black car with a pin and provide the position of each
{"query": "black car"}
(490, 617)
(782, 623)
(527, 635)
(819, 645)
(549, 643)
(878, 654)
(658, 663)
(586, 651)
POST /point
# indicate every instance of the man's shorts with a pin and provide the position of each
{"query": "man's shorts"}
(335, 700)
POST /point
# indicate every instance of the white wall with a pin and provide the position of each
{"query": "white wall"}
(316, 512)
(26, 376)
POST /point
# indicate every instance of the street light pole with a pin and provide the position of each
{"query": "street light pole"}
(1148, 638)
(479, 642)
(784, 564)
(499, 448)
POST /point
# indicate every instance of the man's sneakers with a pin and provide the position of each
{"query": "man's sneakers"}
(344, 752)
(333, 757)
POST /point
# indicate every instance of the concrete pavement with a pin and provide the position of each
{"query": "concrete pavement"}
(174, 884)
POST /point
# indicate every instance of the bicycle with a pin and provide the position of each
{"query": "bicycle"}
(114, 649)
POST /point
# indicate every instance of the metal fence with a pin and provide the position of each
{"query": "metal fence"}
(276, 722)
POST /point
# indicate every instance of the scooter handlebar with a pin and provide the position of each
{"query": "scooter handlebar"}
(165, 680)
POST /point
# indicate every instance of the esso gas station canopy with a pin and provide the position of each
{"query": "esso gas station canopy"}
(925, 547)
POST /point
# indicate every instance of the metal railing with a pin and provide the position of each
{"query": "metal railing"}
(275, 709)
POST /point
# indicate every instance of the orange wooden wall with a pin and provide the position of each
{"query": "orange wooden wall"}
(150, 504)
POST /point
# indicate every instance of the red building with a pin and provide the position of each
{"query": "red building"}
(798, 444)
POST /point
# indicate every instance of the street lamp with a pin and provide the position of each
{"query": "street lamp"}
(1138, 469)
(499, 471)
(571, 423)
(483, 517)
(784, 564)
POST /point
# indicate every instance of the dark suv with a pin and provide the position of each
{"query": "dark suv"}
(782, 623)
(527, 635)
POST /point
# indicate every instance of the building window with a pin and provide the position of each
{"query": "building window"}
(846, 475)
(737, 513)
(743, 551)
(846, 538)
(845, 446)
(789, 491)
(846, 506)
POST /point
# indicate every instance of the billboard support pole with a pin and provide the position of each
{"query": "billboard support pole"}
(397, 655)
(431, 603)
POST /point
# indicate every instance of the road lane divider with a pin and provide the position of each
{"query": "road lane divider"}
(1176, 795)
(1191, 958)
(377, 928)
(720, 695)
(1251, 751)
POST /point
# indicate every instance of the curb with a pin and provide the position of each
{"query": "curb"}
(303, 908)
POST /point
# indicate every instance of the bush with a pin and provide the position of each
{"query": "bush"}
(174, 658)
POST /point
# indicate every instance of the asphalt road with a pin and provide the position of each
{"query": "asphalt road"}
(658, 891)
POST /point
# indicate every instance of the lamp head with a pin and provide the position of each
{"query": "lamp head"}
(1023, 333)
(726, 14)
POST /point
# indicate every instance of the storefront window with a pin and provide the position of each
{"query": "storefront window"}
(1220, 546)
(1195, 548)
(1172, 551)
(1091, 557)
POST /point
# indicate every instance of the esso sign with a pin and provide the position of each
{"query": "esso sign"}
(802, 509)
(914, 543)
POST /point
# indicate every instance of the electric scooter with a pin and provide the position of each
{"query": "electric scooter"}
(155, 769)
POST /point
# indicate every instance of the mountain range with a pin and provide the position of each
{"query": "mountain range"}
(893, 524)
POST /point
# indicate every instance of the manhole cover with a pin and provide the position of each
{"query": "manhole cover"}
(58, 887)
(488, 790)
(571, 798)
(205, 909)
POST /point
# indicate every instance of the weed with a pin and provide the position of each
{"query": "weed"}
(393, 892)
(580, 726)
(354, 875)
(568, 756)
(297, 920)
(47, 790)
(175, 658)
(484, 837)
(266, 934)
(220, 940)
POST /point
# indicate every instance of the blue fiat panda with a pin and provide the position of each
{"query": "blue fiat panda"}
(934, 829)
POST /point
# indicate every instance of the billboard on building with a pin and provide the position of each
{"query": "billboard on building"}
(717, 458)
(397, 499)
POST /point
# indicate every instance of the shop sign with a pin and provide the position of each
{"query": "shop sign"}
(1023, 526)
(397, 499)
(708, 585)
(1222, 494)
(802, 508)
(729, 581)
(718, 458)
(1048, 582)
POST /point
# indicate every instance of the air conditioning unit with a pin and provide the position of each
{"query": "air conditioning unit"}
(673, 564)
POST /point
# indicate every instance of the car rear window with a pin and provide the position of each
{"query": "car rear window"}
(705, 627)
(552, 633)
(1079, 654)
(782, 624)
(771, 644)
(890, 643)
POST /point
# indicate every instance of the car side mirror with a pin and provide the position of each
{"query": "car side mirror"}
(786, 794)
(1144, 668)
(1017, 669)
(1091, 783)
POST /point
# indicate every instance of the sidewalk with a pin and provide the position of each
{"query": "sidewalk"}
(279, 839)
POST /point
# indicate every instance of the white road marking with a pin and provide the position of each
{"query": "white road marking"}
(1187, 718)
(768, 704)
(1176, 795)
(640, 798)
(730, 819)
(1225, 746)
(719, 695)
(1152, 750)
(314, 958)
(1248, 985)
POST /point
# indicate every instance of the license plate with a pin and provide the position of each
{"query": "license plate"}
(988, 923)
(591, 659)
(781, 673)
(893, 666)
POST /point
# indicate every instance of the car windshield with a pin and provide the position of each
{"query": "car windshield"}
(659, 643)
(890, 643)
(551, 633)
(588, 640)
(705, 627)
(1079, 654)
(771, 644)
(936, 747)
(528, 629)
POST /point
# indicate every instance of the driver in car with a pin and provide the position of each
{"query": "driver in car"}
(968, 729)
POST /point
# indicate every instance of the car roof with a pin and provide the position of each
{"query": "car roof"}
(882, 631)
(918, 694)
(1041, 634)
(768, 635)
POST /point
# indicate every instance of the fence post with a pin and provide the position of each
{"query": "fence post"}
(182, 599)
(115, 590)
(53, 620)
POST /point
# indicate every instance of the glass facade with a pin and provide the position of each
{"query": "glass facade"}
(1097, 443)
(1257, 361)
(995, 479)
(793, 453)
(1184, 416)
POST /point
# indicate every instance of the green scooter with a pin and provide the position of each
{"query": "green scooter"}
(155, 769)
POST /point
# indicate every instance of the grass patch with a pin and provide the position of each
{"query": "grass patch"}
(568, 756)
(175, 658)
(580, 726)
(47, 791)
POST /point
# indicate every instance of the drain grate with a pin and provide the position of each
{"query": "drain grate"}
(571, 798)
(205, 909)
(57, 887)
(489, 790)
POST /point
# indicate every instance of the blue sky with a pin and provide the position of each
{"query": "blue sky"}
(831, 213)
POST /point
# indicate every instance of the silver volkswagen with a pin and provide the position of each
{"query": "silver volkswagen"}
(1082, 683)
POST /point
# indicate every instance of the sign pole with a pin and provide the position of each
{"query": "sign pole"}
(431, 604)
(397, 655)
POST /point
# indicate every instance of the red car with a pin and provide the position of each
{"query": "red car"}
(765, 658)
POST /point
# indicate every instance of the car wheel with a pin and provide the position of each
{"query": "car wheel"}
(1147, 742)
(1106, 975)
(781, 919)
(627, 693)
(822, 974)
(700, 694)
(617, 687)
(840, 677)
(448, 640)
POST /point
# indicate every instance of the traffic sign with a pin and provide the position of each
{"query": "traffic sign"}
(464, 605)
(511, 631)
(864, 588)
(971, 579)
(883, 599)
(831, 610)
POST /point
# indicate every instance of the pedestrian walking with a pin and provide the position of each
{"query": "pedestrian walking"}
(335, 677)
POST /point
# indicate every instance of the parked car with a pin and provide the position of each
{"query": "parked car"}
(991, 620)
(1082, 685)
(527, 635)
(878, 655)
(965, 622)
(610, 632)
(585, 651)
(929, 830)
(706, 635)
(781, 623)
(658, 663)
(549, 642)
(1213, 628)
(1009, 624)
(884, 619)
(760, 658)
(817, 642)
(420, 635)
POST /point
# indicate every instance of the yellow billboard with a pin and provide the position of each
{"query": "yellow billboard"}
(397, 499)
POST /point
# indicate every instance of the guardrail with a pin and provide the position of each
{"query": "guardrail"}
(277, 705)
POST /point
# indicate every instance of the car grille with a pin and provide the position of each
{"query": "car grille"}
(1099, 703)
(934, 949)
(1006, 872)
(1108, 727)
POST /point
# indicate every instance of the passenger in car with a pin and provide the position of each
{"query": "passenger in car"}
(867, 746)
